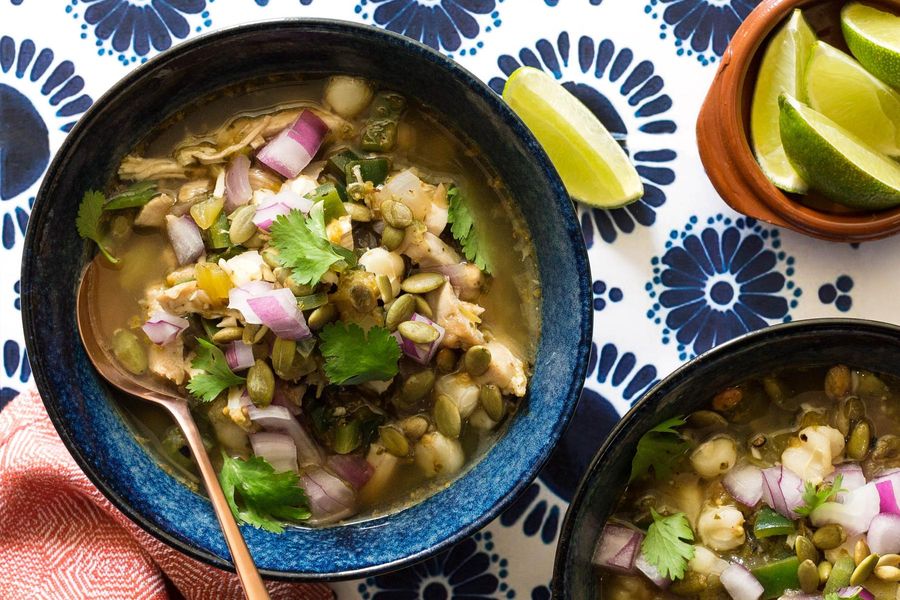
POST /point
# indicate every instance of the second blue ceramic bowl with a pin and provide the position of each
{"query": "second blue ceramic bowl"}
(81, 405)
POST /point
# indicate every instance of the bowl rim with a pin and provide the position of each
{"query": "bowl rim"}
(511, 122)
(662, 389)
(728, 149)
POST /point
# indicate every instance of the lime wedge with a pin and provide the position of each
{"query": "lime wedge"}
(873, 37)
(836, 162)
(592, 164)
(781, 72)
(841, 89)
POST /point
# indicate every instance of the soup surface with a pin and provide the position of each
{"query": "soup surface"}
(785, 486)
(339, 284)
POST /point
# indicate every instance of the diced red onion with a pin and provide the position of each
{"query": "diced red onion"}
(238, 296)
(745, 483)
(889, 492)
(279, 418)
(884, 534)
(855, 590)
(239, 355)
(740, 583)
(163, 327)
(279, 312)
(185, 237)
(854, 514)
(279, 204)
(277, 448)
(421, 353)
(295, 146)
(782, 490)
(852, 478)
(237, 183)
(352, 468)
(618, 548)
(330, 498)
(643, 565)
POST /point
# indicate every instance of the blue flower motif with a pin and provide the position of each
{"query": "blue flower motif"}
(132, 27)
(17, 288)
(613, 294)
(448, 25)
(266, 2)
(541, 592)
(542, 516)
(713, 285)
(838, 293)
(701, 28)
(555, 2)
(16, 369)
(469, 570)
(627, 95)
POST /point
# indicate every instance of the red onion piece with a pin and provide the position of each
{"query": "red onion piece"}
(239, 355)
(745, 483)
(280, 204)
(163, 327)
(185, 238)
(643, 565)
(852, 478)
(740, 583)
(278, 449)
(782, 490)
(352, 468)
(330, 498)
(852, 591)
(238, 296)
(618, 548)
(237, 183)
(421, 353)
(279, 418)
(884, 534)
(295, 146)
(889, 492)
(854, 514)
(279, 312)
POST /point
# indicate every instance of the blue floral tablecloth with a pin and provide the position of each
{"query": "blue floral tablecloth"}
(673, 275)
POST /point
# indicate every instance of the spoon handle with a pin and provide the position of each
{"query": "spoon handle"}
(252, 583)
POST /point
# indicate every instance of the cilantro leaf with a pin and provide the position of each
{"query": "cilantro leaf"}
(88, 221)
(302, 247)
(666, 545)
(462, 227)
(266, 497)
(217, 375)
(814, 497)
(351, 357)
(659, 449)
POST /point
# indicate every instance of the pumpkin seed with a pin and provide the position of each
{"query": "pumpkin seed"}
(362, 297)
(393, 440)
(888, 568)
(864, 570)
(283, 352)
(446, 360)
(256, 241)
(322, 316)
(347, 437)
(860, 551)
(297, 289)
(401, 310)
(242, 227)
(129, 351)
(417, 386)
(391, 237)
(837, 382)
(824, 571)
(828, 537)
(270, 257)
(702, 419)
(414, 427)
(808, 575)
(358, 212)
(860, 439)
(396, 214)
(260, 383)
(422, 283)
(254, 334)
(446, 416)
(477, 360)
(228, 334)
(418, 332)
(492, 401)
(385, 288)
(423, 308)
(805, 549)
(813, 417)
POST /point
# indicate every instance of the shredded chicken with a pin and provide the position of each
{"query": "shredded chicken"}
(459, 319)
(207, 155)
(134, 168)
(153, 214)
(427, 249)
(181, 299)
(168, 361)
(506, 371)
(195, 190)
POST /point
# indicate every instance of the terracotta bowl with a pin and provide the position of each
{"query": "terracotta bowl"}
(724, 124)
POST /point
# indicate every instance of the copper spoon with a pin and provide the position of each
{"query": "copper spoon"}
(109, 369)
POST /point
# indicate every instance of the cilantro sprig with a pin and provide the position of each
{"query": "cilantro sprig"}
(261, 497)
(303, 247)
(659, 449)
(814, 497)
(462, 226)
(90, 211)
(666, 545)
(217, 376)
(353, 357)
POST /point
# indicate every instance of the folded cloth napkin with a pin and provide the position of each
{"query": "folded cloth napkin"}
(61, 538)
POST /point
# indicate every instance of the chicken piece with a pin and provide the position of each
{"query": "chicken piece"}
(721, 527)
(459, 319)
(506, 371)
(168, 361)
(181, 299)
(134, 168)
(436, 219)
(812, 458)
(381, 262)
(194, 191)
(153, 214)
(427, 249)
(467, 280)
(245, 267)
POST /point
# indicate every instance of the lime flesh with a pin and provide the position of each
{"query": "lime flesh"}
(781, 71)
(593, 166)
(841, 89)
(873, 37)
(836, 162)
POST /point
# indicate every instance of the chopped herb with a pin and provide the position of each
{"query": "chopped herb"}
(88, 221)
(462, 226)
(814, 497)
(352, 357)
(667, 546)
(266, 497)
(660, 449)
(303, 247)
(137, 194)
(216, 377)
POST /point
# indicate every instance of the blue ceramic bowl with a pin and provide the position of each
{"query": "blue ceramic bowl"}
(812, 343)
(81, 405)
